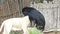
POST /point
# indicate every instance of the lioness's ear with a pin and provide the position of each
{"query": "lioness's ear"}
(26, 17)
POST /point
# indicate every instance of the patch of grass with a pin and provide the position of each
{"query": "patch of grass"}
(34, 30)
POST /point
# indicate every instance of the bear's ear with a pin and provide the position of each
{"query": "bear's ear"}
(26, 10)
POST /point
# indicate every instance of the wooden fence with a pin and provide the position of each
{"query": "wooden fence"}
(11, 8)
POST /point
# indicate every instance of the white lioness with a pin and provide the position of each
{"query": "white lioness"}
(21, 23)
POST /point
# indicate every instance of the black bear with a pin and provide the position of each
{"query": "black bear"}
(35, 16)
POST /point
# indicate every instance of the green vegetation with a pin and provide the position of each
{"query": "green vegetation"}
(34, 30)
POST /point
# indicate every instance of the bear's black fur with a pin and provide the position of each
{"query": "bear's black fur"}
(36, 16)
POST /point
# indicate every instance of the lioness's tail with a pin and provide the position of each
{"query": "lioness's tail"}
(1, 27)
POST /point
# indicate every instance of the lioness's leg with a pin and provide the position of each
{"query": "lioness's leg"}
(7, 28)
(24, 27)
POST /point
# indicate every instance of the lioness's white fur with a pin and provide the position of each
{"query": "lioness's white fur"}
(21, 23)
